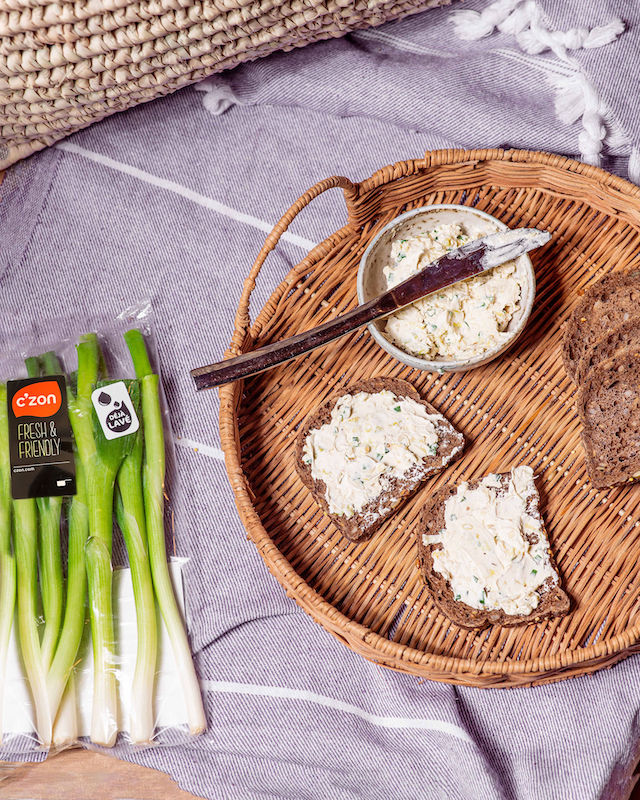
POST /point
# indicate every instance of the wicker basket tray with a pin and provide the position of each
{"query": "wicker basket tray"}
(518, 409)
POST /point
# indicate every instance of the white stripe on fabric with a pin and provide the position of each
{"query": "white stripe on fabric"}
(204, 449)
(547, 65)
(401, 44)
(282, 692)
(189, 194)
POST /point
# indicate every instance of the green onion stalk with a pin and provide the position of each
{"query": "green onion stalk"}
(60, 679)
(65, 725)
(25, 541)
(131, 520)
(25, 538)
(61, 670)
(7, 560)
(153, 472)
(101, 459)
(50, 558)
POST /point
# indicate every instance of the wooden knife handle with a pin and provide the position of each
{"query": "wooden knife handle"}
(277, 353)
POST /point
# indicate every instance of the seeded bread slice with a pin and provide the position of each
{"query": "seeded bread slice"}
(609, 407)
(605, 306)
(553, 600)
(362, 525)
(625, 337)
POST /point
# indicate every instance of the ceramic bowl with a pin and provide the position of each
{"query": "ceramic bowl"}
(372, 282)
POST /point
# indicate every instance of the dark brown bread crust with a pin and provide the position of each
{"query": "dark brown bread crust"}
(627, 336)
(358, 527)
(553, 600)
(603, 308)
(609, 408)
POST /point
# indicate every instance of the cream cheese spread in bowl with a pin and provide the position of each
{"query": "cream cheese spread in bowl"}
(460, 326)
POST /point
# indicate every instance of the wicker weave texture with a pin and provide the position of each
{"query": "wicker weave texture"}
(64, 64)
(517, 409)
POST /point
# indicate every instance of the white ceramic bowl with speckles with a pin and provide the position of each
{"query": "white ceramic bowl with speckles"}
(372, 282)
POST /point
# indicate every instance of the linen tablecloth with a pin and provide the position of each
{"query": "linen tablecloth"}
(172, 201)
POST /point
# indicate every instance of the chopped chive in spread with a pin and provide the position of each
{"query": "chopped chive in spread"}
(432, 448)
(396, 408)
(457, 597)
(534, 571)
(356, 440)
(475, 578)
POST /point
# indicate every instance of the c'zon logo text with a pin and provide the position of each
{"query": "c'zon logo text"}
(40, 399)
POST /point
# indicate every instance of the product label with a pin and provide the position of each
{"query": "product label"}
(40, 442)
(115, 410)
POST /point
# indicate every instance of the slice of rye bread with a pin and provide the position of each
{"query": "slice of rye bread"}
(362, 525)
(626, 336)
(609, 408)
(554, 602)
(605, 306)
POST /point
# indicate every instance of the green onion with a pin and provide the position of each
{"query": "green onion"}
(131, 520)
(61, 671)
(153, 483)
(25, 533)
(65, 726)
(101, 459)
(7, 560)
(50, 558)
(100, 482)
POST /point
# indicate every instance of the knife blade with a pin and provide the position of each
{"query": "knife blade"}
(456, 265)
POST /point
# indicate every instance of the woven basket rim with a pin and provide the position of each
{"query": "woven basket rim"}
(601, 654)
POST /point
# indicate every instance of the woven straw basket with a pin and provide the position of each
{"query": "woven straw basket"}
(517, 409)
(65, 64)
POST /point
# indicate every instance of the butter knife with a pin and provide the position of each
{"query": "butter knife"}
(456, 265)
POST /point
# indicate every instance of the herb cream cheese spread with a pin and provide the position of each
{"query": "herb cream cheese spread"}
(460, 321)
(370, 439)
(494, 554)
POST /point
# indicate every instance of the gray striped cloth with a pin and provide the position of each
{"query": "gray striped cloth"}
(172, 201)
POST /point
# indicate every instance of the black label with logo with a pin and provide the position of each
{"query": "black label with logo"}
(40, 441)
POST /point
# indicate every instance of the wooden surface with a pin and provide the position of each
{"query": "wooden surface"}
(81, 775)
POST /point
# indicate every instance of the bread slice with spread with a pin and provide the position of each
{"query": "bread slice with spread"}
(370, 446)
(484, 553)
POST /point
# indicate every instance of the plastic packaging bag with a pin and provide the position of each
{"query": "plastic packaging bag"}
(88, 650)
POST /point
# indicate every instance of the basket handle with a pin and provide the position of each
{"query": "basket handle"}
(242, 319)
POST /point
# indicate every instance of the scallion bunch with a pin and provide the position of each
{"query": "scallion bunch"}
(118, 479)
